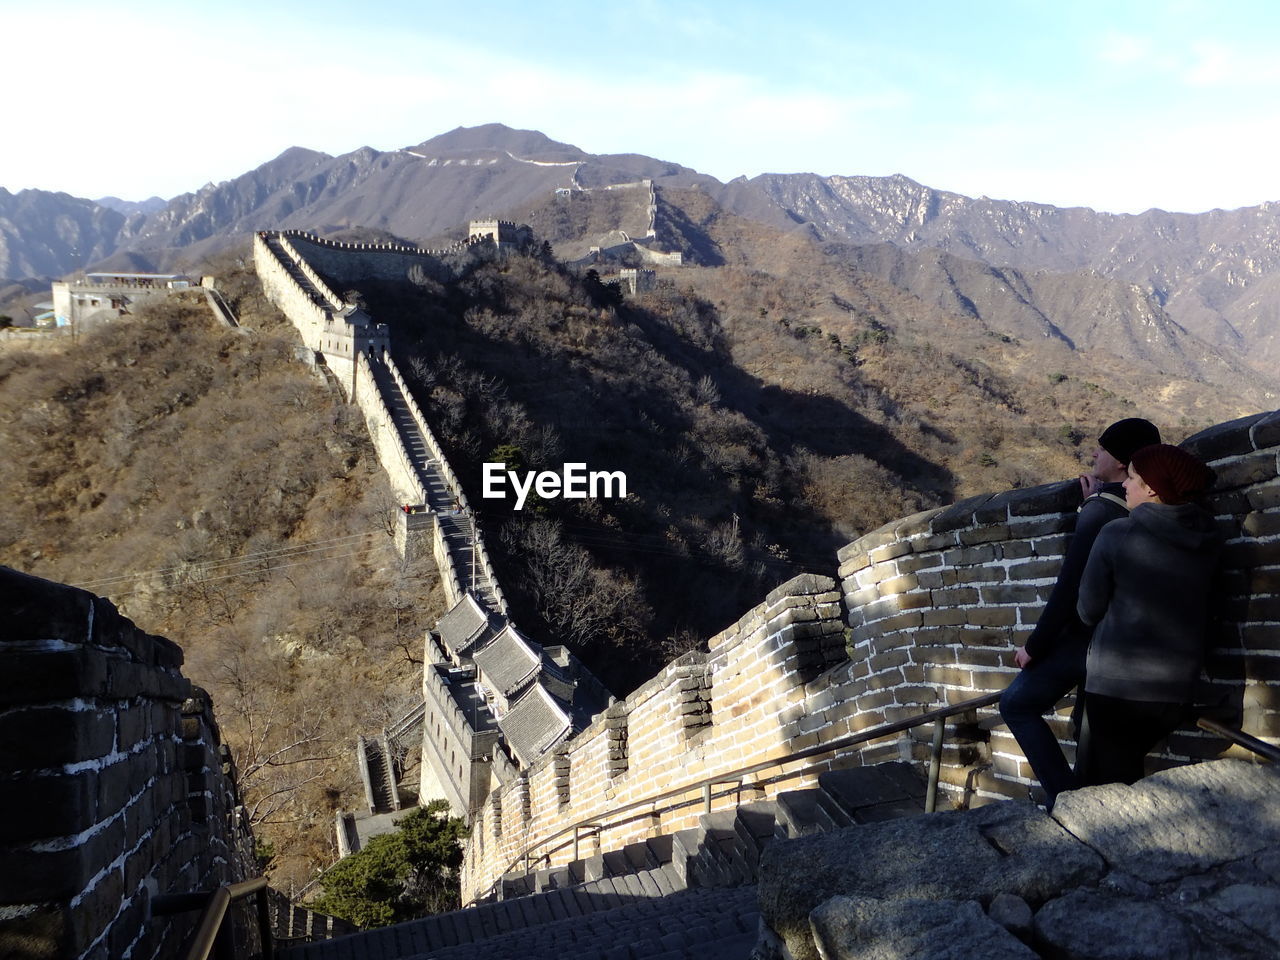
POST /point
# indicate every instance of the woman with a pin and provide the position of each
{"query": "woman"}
(1146, 587)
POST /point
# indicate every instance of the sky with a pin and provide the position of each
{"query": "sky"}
(1116, 106)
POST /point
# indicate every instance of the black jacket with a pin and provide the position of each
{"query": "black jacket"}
(1059, 624)
(1146, 586)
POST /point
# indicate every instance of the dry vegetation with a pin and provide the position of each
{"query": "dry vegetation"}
(221, 494)
(762, 421)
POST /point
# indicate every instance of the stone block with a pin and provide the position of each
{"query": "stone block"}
(1244, 472)
(985, 534)
(954, 597)
(1259, 524)
(1043, 527)
(805, 583)
(969, 555)
(35, 676)
(1264, 497)
(992, 616)
(933, 543)
(867, 928)
(958, 515)
(976, 575)
(1035, 570)
(1148, 832)
(1010, 593)
(1224, 439)
(976, 854)
(1014, 550)
(1266, 432)
(57, 806)
(39, 737)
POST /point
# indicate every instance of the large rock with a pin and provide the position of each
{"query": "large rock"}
(965, 855)
(1240, 921)
(863, 928)
(1182, 821)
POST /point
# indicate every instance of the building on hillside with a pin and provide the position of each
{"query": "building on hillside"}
(495, 701)
(104, 296)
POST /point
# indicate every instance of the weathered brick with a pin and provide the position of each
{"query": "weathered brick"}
(1034, 570)
(1014, 550)
(992, 616)
(969, 555)
(1264, 497)
(890, 551)
(1265, 433)
(931, 579)
(1223, 439)
(888, 660)
(976, 575)
(1259, 524)
(954, 597)
(958, 515)
(1009, 593)
(987, 534)
(39, 737)
(57, 806)
(899, 585)
(1046, 526)
(933, 543)
(1245, 471)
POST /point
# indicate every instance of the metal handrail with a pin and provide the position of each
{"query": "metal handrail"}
(938, 717)
(215, 910)
(1268, 751)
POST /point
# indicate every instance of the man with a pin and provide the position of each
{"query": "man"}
(1053, 659)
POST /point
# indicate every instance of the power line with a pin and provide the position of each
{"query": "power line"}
(263, 556)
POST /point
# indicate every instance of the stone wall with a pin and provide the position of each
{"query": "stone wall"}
(352, 262)
(928, 612)
(938, 601)
(115, 786)
(742, 701)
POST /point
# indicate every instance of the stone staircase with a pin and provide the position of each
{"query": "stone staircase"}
(383, 796)
(456, 529)
(685, 896)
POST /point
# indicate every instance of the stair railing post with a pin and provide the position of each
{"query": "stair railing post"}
(935, 765)
(575, 841)
(706, 797)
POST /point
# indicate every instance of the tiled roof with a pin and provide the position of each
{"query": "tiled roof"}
(534, 723)
(508, 661)
(464, 626)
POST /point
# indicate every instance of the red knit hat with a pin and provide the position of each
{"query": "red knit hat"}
(1175, 475)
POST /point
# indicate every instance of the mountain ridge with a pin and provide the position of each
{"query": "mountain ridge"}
(1212, 274)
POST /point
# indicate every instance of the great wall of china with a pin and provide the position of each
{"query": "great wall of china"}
(927, 611)
(136, 796)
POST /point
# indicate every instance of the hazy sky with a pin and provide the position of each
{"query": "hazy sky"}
(1117, 106)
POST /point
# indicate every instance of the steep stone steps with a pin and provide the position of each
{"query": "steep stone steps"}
(687, 896)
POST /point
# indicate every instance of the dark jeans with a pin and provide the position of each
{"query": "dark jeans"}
(1031, 695)
(1117, 735)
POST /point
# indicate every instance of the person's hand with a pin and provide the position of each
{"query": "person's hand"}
(1089, 485)
(1021, 658)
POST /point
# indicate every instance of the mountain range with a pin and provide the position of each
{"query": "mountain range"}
(1195, 294)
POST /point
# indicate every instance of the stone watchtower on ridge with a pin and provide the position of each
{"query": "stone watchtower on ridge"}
(499, 231)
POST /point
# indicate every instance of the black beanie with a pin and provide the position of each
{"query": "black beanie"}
(1124, 437)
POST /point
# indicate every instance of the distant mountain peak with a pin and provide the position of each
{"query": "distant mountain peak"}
(525, 144)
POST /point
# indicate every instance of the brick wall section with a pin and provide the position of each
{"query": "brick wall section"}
(115, 785)
(939, 601)
(751, 684)
(928, 611)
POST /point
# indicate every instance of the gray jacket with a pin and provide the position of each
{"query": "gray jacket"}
(1146, 587)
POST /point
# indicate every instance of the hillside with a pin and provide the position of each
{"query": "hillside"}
(217, 490)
